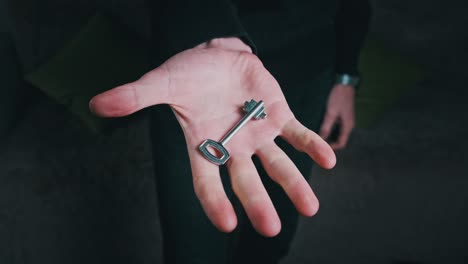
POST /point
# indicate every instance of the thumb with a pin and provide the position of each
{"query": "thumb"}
(151, 89)
(327, 125)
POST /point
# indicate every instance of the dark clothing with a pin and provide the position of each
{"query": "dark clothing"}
(351, 26)
(296, 42)
(188, 235)
(303, 29)
(269, 27)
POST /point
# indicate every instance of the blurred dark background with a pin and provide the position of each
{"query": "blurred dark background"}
(398, 194)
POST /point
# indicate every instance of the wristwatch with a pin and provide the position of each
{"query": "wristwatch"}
(347, 79)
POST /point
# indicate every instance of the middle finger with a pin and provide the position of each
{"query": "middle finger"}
(284, 172)
(248, 187)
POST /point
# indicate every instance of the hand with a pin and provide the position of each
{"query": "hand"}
(340, 111)
(206, 86)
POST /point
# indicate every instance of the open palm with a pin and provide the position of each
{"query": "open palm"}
(206, 88)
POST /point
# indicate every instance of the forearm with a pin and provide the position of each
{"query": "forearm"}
(352, 24)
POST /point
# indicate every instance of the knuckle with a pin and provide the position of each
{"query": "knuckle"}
(251, 58)
(342, 143)
(235, 186)
(292, 183)
(324, 130)
(274, 162)
(133, 101)
(202, 191)
(256, 200)
(250, 61)
(338, 147)
(304, 139)
(331, 115)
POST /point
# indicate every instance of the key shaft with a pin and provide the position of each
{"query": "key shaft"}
(253, 112)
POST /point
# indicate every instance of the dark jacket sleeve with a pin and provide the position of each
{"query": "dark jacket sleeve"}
(352, 24)
(178, 25)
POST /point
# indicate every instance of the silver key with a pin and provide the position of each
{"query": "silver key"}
(253, 110)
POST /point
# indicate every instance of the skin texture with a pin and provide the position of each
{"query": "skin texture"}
(206, 87)
(340, 111)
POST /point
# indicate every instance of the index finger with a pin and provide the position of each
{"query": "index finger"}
(305, 140)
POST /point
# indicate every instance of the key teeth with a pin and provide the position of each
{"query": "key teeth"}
(250, 105)
(262, 116)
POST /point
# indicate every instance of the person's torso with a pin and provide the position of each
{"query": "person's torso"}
(293, 37)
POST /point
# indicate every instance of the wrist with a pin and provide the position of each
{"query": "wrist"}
(231, 43)
(347, 80)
